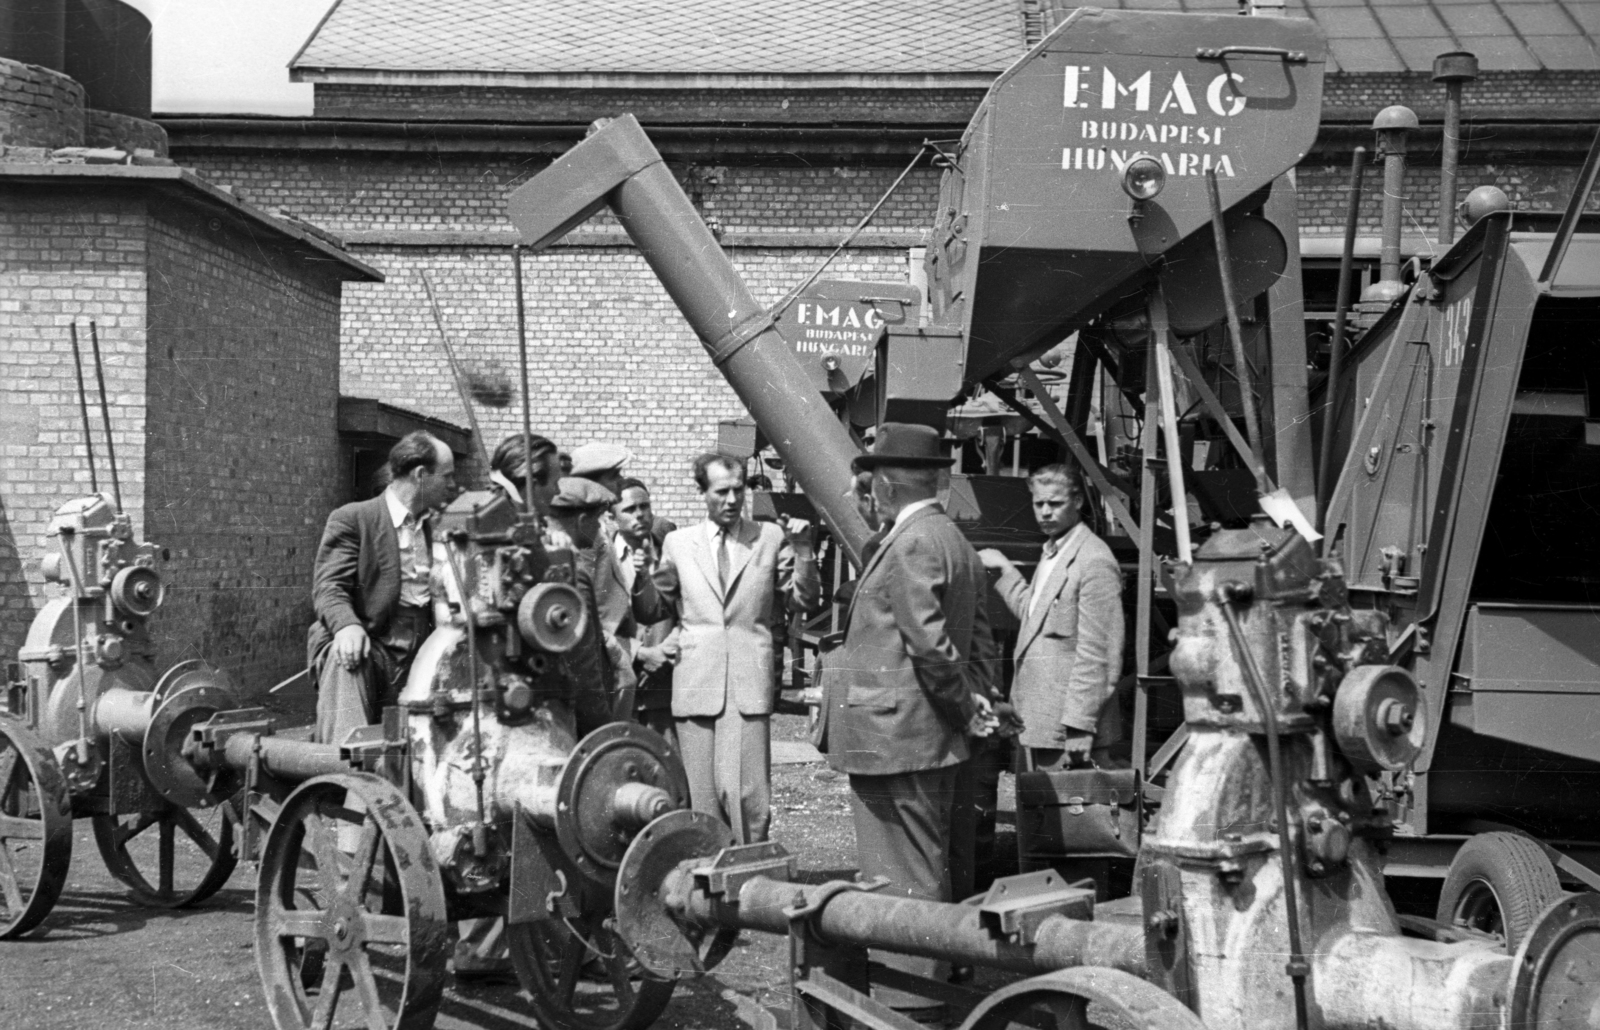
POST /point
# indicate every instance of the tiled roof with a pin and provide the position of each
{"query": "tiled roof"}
(673, 37)
(1406, 35)
(886, 37)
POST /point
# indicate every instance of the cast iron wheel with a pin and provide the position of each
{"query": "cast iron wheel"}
(1498, 884)
(172, 858)
(35, 830)
(580, 976)
(347, 883)
(1061, 1001)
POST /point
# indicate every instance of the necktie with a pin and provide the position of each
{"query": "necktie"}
(722, 558)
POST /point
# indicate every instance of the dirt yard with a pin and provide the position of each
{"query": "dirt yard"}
(102, 962)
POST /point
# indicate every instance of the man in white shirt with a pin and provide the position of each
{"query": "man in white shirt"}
(1069, 647)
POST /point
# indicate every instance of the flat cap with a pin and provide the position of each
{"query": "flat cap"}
(594, 458)
(579, 494)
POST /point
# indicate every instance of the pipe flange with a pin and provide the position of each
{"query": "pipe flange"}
(594, 834)
(195, 672)
(665, 947)
(1555, 978)
(166, 762)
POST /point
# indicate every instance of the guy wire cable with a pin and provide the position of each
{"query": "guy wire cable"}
(83, 408)
(105, 415)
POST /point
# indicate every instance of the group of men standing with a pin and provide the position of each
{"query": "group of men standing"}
(686, 621)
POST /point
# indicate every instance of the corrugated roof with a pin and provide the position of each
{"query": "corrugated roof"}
(886, 37)
(668, 37)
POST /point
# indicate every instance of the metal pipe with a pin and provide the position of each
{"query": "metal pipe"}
(913, 927)
(1391, 125)
(456, 371)
(83, 408)
(1569, 218)
(1341, 314)
(619, 166)
(282, 757)
(1455, 70)
(1169, 426)
(1298, 968)
(527, 395)
(105, 415)
(124, 712)
(1241, 366)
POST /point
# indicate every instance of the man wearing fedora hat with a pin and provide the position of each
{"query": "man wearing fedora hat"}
(912, 683)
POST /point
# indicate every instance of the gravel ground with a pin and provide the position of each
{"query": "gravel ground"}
(101, 961)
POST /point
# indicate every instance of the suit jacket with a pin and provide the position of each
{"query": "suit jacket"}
(917, 647)
(725, 639)
(1069, 649)
(654, 691)
(356, 580)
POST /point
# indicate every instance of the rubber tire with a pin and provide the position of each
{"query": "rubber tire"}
(1515, 869)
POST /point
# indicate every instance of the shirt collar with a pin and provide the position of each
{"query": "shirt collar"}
(398, 513)
(907, 512)
(1061, 541)
(712, 529)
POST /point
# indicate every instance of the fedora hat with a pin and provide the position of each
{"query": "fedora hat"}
(904, 445)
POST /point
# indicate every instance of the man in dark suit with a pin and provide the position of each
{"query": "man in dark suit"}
(911, 685)
(637, 547)
(370, 588)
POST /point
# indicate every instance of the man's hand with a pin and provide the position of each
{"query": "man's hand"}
(797, 532)
(993, 559)
(640, 560)
(983, 719)
(1076, 748)
(350, 646)
(654, 658)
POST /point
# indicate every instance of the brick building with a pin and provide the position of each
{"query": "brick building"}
(785, 121)
(219, 325)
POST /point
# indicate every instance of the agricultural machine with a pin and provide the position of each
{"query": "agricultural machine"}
(1343, 684)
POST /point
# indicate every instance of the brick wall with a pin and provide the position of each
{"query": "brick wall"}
(242, 447)
(65, 255)
(357, 190)
(611, 358)
(700, 106)
(39, 107)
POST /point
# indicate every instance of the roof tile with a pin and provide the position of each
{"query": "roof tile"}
(1564, 53)
(866, 37)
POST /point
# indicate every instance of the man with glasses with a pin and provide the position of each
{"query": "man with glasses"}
(371, 588)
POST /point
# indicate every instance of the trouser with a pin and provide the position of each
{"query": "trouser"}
(348, 699)
(974, 809)
(728, 760)
(660, 720)
(903, 835)
(481, 946)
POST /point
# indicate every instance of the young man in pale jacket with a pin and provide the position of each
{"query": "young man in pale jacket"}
(1069, 649)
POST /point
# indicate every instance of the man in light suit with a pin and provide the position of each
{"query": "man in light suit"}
(1069, 649)
(911, 685)
(725, 582)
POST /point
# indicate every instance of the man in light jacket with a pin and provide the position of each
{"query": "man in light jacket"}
(725, 581)
(1069, 649)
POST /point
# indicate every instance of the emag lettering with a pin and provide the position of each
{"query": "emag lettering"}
(1138, 95)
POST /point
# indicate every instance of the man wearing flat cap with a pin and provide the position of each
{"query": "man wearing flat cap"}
(602, 463)
(912, 683)
(576, 510)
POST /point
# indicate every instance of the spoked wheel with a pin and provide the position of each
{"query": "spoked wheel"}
(349, 899)
(580, 976)
(172, 858)
(35, 830)
(1061, 1000)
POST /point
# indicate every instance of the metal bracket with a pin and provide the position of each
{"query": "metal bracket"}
(734, 867)
(806, 907)
(1015, 906)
